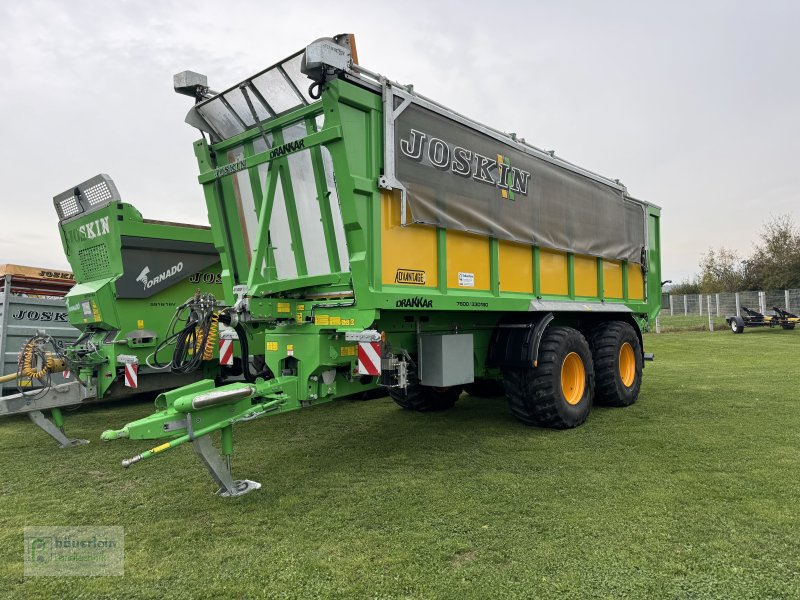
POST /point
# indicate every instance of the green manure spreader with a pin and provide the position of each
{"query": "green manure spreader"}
(131, 276)
(381, 239)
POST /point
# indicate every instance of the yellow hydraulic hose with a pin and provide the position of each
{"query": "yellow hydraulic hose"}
(25, 364)
(26, 358)
(206, 346)
(208, 349)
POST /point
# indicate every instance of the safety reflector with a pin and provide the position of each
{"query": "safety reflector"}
(65, 374)
(131, 375)
(369, 358)
(225, 352)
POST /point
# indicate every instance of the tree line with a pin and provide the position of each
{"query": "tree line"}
(774, 264)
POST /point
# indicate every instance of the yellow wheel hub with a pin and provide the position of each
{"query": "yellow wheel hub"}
(573, 378)
(627, 365)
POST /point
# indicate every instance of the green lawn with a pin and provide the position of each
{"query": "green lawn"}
(694, 492)
(673, 324)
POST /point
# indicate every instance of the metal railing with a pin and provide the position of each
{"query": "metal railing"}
(724, 304)
(729, 303)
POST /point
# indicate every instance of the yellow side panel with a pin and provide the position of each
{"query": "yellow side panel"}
(408, 254)
(612, 279)
(553, 272)
(585, 276)
(516, 267)
(468, 255)
(635, 282)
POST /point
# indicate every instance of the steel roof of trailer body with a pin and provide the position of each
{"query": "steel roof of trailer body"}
(36, 273)
(372, 80)
(37, 281)
(232, 98)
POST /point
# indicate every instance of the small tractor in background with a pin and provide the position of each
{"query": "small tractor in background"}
(140, 309)
(752, 318)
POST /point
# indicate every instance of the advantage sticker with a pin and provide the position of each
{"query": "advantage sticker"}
(410, 276)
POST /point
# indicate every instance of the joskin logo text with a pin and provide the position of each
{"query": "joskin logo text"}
(230, 168)
(241, 164)
(496, 172)
(89, 231)
(35, 315)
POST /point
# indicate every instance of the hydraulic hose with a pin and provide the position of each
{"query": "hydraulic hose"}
(195, 341)
(26, 358)
(33, 353)
(245, 350)
(7, 378)
(211, 337)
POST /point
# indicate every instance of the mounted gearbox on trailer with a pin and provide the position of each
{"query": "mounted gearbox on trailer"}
(386, 240)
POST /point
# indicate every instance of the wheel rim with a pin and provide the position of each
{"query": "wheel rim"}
(734, 325)
(573, 378)
(627, 365)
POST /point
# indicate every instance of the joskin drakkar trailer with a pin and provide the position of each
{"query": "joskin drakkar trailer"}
(131, 274)
(384, 239)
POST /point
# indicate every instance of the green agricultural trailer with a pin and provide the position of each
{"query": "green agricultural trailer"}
(383, 239)
(131, 275)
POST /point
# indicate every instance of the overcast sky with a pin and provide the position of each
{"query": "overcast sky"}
(694, 106)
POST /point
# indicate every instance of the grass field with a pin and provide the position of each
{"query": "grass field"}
(680, 323)
(694, 492)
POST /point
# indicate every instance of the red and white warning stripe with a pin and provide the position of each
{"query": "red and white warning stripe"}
(132, 375)
(369, 358)
(225, 352)
(131, 364)
(65, 374)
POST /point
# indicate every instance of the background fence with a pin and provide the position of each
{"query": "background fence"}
(726, 303)
(729, 303)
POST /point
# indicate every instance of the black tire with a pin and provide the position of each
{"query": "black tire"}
(535, 394)
(423, 398)
(736, 327)
(617, 380)
(788, 326)
(485, 388)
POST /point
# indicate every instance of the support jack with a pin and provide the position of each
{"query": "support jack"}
(220, 470)
(53, 430)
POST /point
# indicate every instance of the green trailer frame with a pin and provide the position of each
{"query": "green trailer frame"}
(119, 318)
(298, 199)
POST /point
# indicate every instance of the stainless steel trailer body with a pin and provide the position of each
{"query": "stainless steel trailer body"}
(32, 300)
